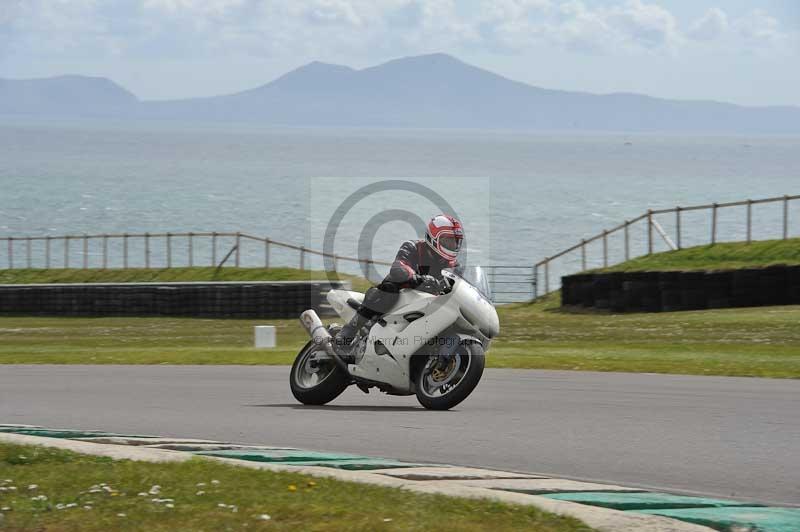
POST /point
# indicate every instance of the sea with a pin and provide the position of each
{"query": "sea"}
(361, 192)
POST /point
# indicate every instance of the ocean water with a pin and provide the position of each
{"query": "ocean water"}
(521, 196)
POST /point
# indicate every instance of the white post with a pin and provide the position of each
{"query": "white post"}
(264, 336)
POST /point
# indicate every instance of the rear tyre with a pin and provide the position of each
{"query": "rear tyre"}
(316, 381)
(442, 388)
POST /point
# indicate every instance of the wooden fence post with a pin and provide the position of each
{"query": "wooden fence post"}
(785, 217)
(678, 225)
(47, 252)
(85, 252)
(547, 275)
(105, 251)
(627, 241)
(168, 242)
(28, 252)
(238, 248)
(749, 221)
(650, 232)
(191, 249)
(66, 252)
(714, 224)
(605, 248)
(583, 254)
(125, 251)
(266, 252)
(214, 249)
(147, 251)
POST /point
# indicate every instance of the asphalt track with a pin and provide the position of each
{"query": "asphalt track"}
(726, 437)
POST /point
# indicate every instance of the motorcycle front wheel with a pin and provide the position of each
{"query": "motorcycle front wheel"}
(441, 385)
(316, 379)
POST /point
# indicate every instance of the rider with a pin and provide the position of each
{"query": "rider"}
(418, 264)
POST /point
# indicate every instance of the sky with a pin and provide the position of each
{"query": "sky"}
(728, 50)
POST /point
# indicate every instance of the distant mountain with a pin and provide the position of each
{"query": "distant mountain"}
(430, 91)
(64, 96)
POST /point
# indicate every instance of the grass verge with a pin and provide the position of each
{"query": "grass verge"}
(725, 256)
(59, 490)
(758, 342)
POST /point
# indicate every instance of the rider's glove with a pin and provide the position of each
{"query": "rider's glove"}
(428, 283)
(420, 280)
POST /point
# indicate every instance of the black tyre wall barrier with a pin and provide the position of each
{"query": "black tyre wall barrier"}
(692, 290)
(208, 300)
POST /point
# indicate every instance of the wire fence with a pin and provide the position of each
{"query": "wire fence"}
(671, 229)
(159, 250)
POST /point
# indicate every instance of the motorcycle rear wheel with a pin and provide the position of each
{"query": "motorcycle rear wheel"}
(316, 386)
(434, 388)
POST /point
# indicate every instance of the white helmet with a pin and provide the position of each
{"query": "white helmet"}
(445, 234)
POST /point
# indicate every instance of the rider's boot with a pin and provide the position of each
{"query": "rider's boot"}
(343, 342)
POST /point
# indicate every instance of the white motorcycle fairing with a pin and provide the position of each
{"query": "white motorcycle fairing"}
(419, 323)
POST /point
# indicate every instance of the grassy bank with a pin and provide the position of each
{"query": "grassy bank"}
(724, 256)
(763, 342)
(144, 275)
(58, 490)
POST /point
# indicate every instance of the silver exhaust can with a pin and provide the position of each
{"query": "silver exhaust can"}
(316, 330)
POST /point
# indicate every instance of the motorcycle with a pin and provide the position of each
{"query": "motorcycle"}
(431, 344)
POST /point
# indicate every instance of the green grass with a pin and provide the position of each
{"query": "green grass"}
(724, 256)
(143, 275)
(763, 342)
(755, 342)
(66, 478)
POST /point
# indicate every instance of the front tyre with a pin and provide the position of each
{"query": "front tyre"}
(442, 384)
(315, 378)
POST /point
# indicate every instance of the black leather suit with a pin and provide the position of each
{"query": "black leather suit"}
(414, 259)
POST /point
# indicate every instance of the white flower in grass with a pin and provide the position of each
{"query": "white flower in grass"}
(155, 490)
(33, 487)
(71, 505)
(222, 505)
(121, 515)
(387, 520)
(169, 506)
(5, 509)
(60, 506)
(200, 484)
(264, 517)
(215, 482)
(143, 494)
(12, 488)
(201, 492)
(87, 507)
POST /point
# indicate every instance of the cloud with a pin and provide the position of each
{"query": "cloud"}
(711, 26)
(759, 26)
(364, 28)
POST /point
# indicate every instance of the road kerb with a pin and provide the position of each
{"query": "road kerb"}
(599, 518)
